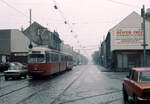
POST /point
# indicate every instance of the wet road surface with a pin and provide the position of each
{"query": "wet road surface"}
(85, 84)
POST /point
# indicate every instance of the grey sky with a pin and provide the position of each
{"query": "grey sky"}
(89, 19)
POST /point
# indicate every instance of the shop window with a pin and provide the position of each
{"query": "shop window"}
(134, 61)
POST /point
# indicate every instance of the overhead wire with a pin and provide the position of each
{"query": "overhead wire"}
(13, 8)
(61, 13)
(125, 4)
(63, 16)
(17, 10)
(116, 2)
(66, 22)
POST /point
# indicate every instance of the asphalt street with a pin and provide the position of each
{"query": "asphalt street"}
(85, 84)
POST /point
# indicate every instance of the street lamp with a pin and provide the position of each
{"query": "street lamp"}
(30, 45)
(145, 16)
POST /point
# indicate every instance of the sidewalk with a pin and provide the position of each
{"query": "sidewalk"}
(103, 69)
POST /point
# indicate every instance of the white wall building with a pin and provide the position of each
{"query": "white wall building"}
(125, 42)
(128, 34)
(13, 45)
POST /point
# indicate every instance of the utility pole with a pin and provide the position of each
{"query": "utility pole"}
(30, 45)
(144, 37)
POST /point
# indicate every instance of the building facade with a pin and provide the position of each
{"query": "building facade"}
(13, 46)
(42, 36)
(124, 41)
(14, 43)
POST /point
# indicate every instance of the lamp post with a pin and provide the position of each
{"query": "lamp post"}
(143, 28)
(30, 45)
(145, 16)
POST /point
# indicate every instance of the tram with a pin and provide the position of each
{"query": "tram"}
(45, 62)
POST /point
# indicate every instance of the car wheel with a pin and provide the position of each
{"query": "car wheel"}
(125, 96)
(135, 99)
(25, 76)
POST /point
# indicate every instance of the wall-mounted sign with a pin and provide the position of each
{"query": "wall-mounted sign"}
(129, 36)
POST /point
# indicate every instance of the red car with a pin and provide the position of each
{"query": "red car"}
(136, 86)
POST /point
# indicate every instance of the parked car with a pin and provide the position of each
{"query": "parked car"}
(136, 86)
(4, 66)
(15, 70)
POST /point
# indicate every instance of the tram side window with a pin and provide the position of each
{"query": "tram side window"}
(62, 58)
(66, 58)
(54, 57)
(69, 58)
(47, 57)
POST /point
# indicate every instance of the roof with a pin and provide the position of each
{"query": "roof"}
(130, 21)
(141, 69)
(40, 34)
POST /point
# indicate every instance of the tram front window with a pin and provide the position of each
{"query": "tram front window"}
(35, 58)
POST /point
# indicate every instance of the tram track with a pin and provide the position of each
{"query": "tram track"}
(26, 84)
(21, 88)
(55, 101)
(59, 96)
(12, 91)
(92, 96)
(12, 84)
(33, 83)
(40, 90)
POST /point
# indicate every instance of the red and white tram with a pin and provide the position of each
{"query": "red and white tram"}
(44, 62)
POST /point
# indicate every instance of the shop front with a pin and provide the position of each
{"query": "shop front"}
(129, 59)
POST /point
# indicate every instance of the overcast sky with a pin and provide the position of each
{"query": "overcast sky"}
(89, 20)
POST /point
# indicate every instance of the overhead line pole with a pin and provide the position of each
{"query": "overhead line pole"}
(144, 37)
(30, 32)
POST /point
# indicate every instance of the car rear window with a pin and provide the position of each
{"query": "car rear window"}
(144, 76)
(15, 66)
